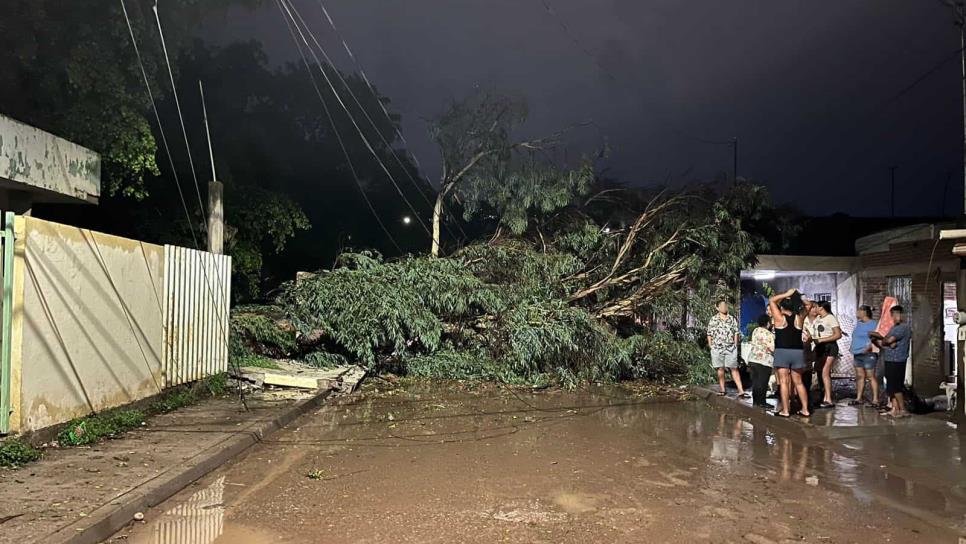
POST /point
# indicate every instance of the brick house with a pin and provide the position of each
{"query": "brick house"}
(911, 264)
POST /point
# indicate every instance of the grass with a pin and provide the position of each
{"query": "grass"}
(15, 453)
(88, 430)
(256, 361)
(91, 429)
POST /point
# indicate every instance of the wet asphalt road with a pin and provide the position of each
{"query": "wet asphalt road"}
(451, 463)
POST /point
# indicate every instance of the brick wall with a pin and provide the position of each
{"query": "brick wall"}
(911, 259)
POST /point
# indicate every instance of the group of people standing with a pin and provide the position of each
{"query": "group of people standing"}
(797, 337)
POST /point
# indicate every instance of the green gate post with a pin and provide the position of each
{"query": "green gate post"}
(6, 323)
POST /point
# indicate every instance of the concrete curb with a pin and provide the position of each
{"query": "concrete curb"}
(108, 519)
(784, 425)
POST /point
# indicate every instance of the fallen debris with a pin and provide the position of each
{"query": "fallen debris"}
(291, 374)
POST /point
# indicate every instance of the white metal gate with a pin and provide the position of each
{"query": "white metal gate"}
(197, 295)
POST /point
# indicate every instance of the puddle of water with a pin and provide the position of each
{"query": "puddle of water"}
(200, 519)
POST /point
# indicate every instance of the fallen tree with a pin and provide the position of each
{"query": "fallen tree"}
(587, 292)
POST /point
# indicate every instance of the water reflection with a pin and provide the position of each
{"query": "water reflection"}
(917, 474)
(198, 520)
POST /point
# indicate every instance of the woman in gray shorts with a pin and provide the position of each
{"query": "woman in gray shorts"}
(789, 356)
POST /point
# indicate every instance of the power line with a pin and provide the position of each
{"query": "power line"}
(335, 130)
(177, 103)
(223, 324)
(157, 118)
(382, 106)
(375, 95)
(289, 8)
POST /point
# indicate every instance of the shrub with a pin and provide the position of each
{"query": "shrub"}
(15, 453)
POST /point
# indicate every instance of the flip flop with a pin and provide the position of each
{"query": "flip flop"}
(856, 403)
(799, 413)
(744, 396)
(779, 414)
(722, 393)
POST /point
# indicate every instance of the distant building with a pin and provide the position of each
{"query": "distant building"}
(38, 167)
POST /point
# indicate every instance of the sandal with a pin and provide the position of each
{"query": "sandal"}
(856, 403)
(799, 413)
(779, 414)
(744, 396)
(826, 405)
(722, 393)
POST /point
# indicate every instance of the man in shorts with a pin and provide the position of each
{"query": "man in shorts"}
(895, 352)
(724, 339)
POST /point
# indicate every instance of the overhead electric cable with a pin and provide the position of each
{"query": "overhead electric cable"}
(335, 130)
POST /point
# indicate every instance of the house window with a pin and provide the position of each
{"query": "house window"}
(901, 288)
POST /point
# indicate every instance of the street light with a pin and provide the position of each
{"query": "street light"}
(407, 220)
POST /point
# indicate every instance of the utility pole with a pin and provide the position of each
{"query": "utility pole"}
(216, 189)
(892, 198)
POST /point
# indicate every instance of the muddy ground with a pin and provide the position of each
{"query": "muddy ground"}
(455, 463)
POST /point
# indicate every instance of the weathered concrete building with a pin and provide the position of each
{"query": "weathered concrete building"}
(36, 166)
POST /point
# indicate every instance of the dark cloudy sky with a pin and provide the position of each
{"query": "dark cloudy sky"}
(810, 87)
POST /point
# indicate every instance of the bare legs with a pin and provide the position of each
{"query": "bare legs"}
(874, 384)
(784, 387)
(827, 379)
(861, 374)
(736, 376)
(788, 379)
(796, 376)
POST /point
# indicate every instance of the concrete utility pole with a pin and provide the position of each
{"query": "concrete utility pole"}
(216, 190)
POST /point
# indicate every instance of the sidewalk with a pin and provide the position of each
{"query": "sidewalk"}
(917, 463)
(83, 494)
(840, 423)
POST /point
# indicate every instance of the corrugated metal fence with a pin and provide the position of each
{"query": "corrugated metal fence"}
(196, 303)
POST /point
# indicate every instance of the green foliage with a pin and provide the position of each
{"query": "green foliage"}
(324, 359)
(16, 453)
(89, 430)
(254, 334)
(252, 360)
(519, 270)
(216, 384)
(261, 222)
(517, 194)
(174, 400)
(392, 308)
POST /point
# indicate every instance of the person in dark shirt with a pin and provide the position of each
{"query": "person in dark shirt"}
(895, 352)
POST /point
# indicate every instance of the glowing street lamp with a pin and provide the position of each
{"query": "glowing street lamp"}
(407, 220)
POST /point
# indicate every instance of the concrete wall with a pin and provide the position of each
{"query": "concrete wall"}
(45, 166)
(88, 319)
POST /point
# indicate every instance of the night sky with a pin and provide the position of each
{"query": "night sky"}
(817, 92)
